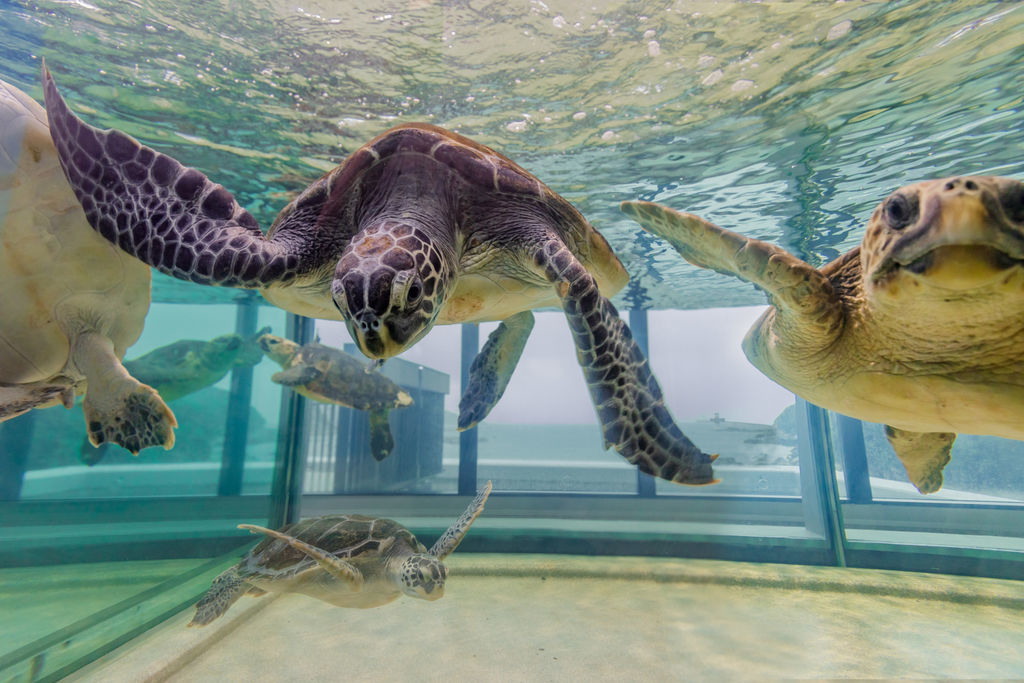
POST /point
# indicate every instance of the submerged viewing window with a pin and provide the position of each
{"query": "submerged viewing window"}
(705, 316)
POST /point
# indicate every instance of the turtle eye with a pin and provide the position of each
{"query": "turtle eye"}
(1012, 199)
(415, 293)
(899, 211)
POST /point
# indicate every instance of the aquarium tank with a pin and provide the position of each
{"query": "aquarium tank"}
(322, 379)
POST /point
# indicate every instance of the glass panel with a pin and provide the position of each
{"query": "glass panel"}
(723, 404)
(62, 464)
(978, 507)
(105, 542)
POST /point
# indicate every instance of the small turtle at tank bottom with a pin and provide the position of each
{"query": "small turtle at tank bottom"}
(328, 375)
(920, 328)
(185, 367)
(345, 560)
(72, 303)
(420, 226)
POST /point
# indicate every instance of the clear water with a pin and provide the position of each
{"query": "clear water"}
(784, 121)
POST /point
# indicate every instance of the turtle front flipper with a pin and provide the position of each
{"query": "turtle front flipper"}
(18, 399)
(119, 408)
(492, 368)
(795, 287)
(166, 215)
(629, 403)
(297, 375)
(223, 592)
(923, 454)
(381, 441)
(450, 539)
(335, 566)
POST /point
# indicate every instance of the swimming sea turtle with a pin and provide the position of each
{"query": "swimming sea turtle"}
(329, 375)
(345, 560)
(920, 328)
(188, 365)
(71, 304)
(419, 226)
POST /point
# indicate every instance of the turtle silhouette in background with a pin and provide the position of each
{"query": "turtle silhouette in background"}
(329, 375)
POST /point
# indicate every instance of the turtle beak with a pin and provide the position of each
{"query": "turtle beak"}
(369, 334)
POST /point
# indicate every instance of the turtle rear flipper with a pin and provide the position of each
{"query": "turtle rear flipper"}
(794, 286)
(118, 408)
(381, 441)
(492, 368)
(223, 593)
(923, 454)
(629, 402)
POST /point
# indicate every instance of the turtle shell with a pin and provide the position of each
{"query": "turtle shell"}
(53, 265)
(345, 381)
(493, 185)
(346, 536)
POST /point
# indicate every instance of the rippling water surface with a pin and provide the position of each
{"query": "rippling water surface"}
(786, 121)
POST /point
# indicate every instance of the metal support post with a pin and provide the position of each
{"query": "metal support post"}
(468, 446)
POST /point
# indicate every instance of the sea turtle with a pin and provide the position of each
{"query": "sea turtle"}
(920, 328)
(184, 367)
(419, 226)
(329, 375)
(71, 304)
(188, 365)
(345, 560)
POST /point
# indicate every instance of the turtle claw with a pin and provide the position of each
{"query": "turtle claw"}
(381, 441)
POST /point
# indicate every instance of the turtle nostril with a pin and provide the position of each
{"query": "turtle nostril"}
(950, 185)
(375, 324)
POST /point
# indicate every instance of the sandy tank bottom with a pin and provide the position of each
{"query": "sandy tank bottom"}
(547, 618)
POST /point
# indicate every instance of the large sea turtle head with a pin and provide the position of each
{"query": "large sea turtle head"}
(390, 284)
(941, 242)
(422, 576)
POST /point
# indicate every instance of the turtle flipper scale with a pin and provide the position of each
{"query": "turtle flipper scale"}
(629, 402)
(166, 215)
(795, 287)
(381, 441)
(450, 539)
(335, 566)
(923, 454)
(223, 592)
(493, 367)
